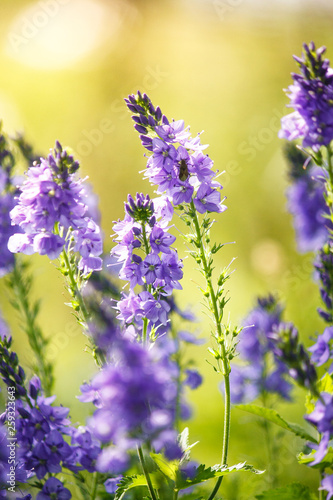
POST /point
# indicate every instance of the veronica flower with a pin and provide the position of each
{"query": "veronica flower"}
(311, 96)
(177, 165)
(51, 209)
(259, 371)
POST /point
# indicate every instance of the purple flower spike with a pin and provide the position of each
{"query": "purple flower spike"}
(311, 96)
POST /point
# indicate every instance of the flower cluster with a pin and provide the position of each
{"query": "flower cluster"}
(311, 95)
(260, 372)
(306, 202)
(42, 430)
(52, 212)
(145, 231)
(7, 203)
(135, 398)
(324, 267)
(294, 356)
(177, 165)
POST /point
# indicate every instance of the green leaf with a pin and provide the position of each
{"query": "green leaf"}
(168, 468)
(184, 443)
(294, 491)
(325, 384)
(203, 474)
(274, 417)
(327, 461)
(129, 482)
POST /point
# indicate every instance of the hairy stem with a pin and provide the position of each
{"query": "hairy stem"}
(146, 473)
(329, 182)
(218, 326)
(94, 486)
(77, 296)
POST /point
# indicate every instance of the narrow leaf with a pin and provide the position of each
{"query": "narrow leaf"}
(274, 417)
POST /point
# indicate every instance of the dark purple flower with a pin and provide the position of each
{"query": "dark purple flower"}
(53, 489)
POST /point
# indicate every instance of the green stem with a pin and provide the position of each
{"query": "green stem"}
(268, 440)
(321, 492)
(329, 182)
(94, 486)
(225, 364)
(74, 288)
(149, 287)
(20, 283)
(76, 294)
(146, 473)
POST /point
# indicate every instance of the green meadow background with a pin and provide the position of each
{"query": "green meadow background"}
(66, 66)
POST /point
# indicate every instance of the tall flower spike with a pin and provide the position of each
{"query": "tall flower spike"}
(311, 95)
(292, 353)
(177, 165)
(259, 373)
(51, 211)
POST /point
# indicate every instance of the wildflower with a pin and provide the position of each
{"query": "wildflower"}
(176, 165)
(51, 210)
(259, 371)
(324, 267)
(54, 489)
(311, 95)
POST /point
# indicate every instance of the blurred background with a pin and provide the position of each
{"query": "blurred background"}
(220, 65)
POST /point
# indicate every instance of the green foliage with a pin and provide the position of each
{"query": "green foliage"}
(325, 384)
(327, 461)
(203, 474)
(294, 491)
(273, 416)
(168, 468)
(20, 283)
(129, 482)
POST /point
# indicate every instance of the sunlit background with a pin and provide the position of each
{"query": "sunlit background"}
(221, 65)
